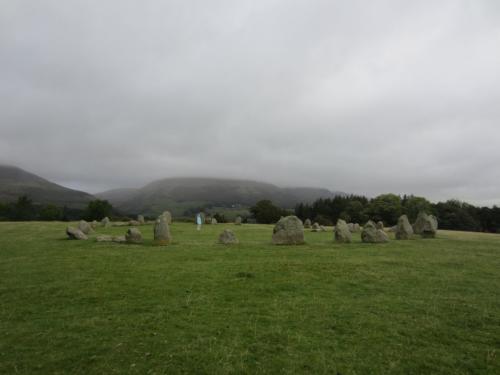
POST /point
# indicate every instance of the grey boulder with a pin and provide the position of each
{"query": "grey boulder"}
(162, 231)
(342, 232)
(403, 230)
(75, 234)
(227, 237)
(85, 227)
(288, 231)
(371, 234)
(133, 235)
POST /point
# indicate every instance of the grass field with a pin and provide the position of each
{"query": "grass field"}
(82, 307)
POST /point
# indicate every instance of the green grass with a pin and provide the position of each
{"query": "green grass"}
(82, 307)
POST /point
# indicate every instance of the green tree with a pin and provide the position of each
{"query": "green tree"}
(50, 212)
(98, 209)
(23, 209)
(265, 212)
(412, 205)
(386, 207)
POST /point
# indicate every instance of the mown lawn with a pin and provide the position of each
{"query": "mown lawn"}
(82, 307)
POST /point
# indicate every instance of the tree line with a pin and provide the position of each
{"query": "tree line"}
(452, 214)
(25, 210)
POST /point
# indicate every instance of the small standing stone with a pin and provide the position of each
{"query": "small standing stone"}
(140, 219)
(238, 221)
(380, 225)
(342, 232)
(371, 234)
(162, 231)
(403, 230)
(213, 221)
(315, 228)
(75, 234)
(227, 237)
(307, 223)
(106, 222)
(85, 227)
(133, 235)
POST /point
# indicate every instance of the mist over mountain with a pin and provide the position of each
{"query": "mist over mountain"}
(179, 194)
(175, 194)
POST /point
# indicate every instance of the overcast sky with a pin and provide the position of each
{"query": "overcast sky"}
(358, 96)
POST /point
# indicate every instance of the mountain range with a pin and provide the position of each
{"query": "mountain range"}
(15, 182)
(175, 194)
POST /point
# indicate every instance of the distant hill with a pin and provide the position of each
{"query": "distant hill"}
(180, 194)
(15, 182)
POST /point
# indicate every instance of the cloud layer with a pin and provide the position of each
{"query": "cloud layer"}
(364, 97)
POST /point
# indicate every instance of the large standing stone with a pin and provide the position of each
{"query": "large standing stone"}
(75, 234)
(85, 227)
(288, 231)
(213, 221)
(371, 234)
(133, 235)
(106, 222)
(168, 217)
(342, 232)
(140, 219)
(227, 237)
(238, 221)
(425, 225)
(316, 228)
(307, 223)
(403, 230)
(162, 231)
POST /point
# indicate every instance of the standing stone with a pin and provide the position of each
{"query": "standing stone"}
(105, 222)
(371, 234)
(140, 219)
(379, 225)
(316, 228)
(168, 217)
(133, 235)
(307, 224)
(403, 230)
(426, 225)
(351, 227)
(342, 232)
(94, 224)
(208, 220)
(227, 237)
(238, 221)
(357, 228)
(85, 227)
(288, 231)
(75, 234)
(162, 231)
(322, 228)
(213, 221)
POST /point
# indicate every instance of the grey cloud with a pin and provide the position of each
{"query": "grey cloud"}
(365, 97)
